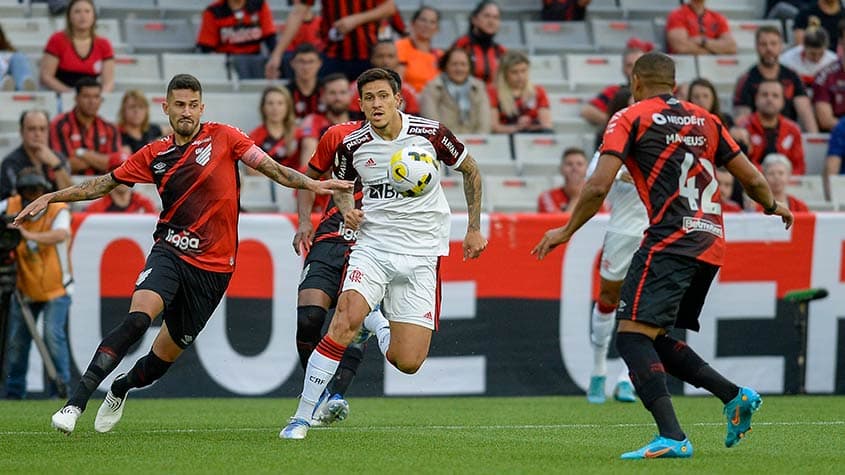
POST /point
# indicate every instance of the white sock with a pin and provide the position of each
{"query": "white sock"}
(624, 376)
(319, 372)
(601, 329)
(376, 323)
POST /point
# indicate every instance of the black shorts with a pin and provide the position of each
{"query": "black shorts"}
(190, 294)
(666, 291)
(323, 269)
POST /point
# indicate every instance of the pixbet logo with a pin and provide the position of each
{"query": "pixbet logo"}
(182, 241)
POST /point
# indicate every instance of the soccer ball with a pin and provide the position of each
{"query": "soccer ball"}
(413, 171)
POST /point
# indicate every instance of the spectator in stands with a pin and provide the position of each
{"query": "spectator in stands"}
(416, 55)
(726, 189)
(455, 98)
(564, 10)
(797, 106)
(828, 12)
(15, 73)
(122, 199)
(622, 99)
(77, 52)
(277, 135)
(829, 90)
(34, 153)
(304, 87)
(573, 167)
(133, 121)
(348, 27)
(812, 56)
(309, 32)
(480, 41)
(778, 170)
(703, 93)
(596, 111)
(237, 28)
(91, 143)
(833, 164)
(384, 55)
(517, 105)
(772, 132)
(694, 29)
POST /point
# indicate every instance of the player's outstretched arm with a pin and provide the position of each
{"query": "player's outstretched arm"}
(756, 186)
(87, 190)
(474, 242)
(588, 204)
(285, 176)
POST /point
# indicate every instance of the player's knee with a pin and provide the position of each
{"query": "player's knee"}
(309, 322)
(406, 363)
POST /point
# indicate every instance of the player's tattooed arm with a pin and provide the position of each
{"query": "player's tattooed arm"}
(472, 191)
(87, 190)
(259, 160)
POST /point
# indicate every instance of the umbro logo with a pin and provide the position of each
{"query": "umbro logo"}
(187, 339)
(159, 168)
(370, 162)
(203, 154)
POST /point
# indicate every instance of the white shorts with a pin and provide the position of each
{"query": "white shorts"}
(407, 287)
(616, 255)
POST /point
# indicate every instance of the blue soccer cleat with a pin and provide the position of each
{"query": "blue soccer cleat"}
(662, 448)
(296, 429)
(624, 392)
(738, 413)
(595, 394)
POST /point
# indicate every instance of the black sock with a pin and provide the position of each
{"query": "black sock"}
(145, 372)
(683, 363)
(649, 379)
(348, 368)
(309, 330)
(108, 355)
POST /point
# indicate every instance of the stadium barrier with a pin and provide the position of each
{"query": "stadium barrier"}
(510, 325)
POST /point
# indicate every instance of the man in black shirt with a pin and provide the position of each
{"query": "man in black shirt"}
(34, 152)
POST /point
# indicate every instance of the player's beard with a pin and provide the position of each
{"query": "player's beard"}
(184, 127)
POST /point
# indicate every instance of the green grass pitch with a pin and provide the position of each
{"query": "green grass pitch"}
(420, 435)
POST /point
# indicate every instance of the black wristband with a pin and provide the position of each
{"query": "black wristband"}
(771, 210)
(58, 167)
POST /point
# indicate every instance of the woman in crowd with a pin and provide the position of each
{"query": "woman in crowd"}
(455, 98)
(517, 105)
(277, 135)
(133, 121)
(484, 52)
(416, 55)
(812, 56)
(77, 51)
(15, 73)
(778, 170)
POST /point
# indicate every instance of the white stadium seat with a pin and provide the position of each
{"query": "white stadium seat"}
(724, 70)
(510, 35)
(613, 35)
(685, 68)
(515, 194)
(211, 69)
(807, 188)
(148, 35)
(547, 70)
(447, 34)
(237, 109)
(14, 103)
(141, 71)
(257, 194)
(28, 35)
(647, 9)
(492, 152)
(540, 154)
(815, 152)
(593, 72)
(9, 141)
(744, 31)
(556, 36)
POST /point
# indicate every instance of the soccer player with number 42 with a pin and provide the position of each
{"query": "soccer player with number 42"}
(671, 149)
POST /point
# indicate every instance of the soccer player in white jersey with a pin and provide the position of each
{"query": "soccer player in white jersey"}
(628, 221)
(395, 261)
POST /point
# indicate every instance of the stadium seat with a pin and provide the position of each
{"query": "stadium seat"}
(648, 9)
(13, 8)
(807, 188)
(510, 35)
(837, 191)
(539, 154)
(257, 194)
(739, 9)
(566, 108)
(724, 70)
(554, 37)
(447, 34)
(547, 70)
(128, 8)
(815, 152)
(14, 103)
(9, 141)
(515, 194)
(685, 68)
(109, 108)
(492, 152)
(28, 35)
(604, 9)
(147, 35)
(211, 69)
(593, 72)
(453, 188)
(137, 71)
(743, 32)
(283, 197)
(613, 35)
(237, 109)
(150, 191)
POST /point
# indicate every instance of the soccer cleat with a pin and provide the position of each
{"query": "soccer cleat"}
(595, 395)
(110, 412)
(64, 420)
(320, 408)
(624, 392)
(296, 429)
(661, 447)
(738, 413)
(336, 410)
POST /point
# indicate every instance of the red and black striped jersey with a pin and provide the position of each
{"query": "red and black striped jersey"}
(305, 104)
(67, 135)
(331, 227)
(354, 45)
(484, 60)
(236, 32)
(200, 192)
(672, 148)
(278, 148)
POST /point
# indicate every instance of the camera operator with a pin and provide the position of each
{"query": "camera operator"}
(43, 277)
(34, 152)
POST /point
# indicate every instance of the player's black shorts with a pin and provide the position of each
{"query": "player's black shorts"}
(667, 291)
(190, 294)
(323, 269)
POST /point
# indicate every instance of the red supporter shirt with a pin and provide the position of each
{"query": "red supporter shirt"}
(314, 126)
(308, 32)
(67, 135)
(530, 107)
(710, 25)
(73, 67)
(137, 204)
(356, 44)
(304, 105)
(794, 204)
(553, 201)
(284, 153)
(787, 141)
(236, 32)
(603, 99)
(200, 193)
(672, 149)
(829, 87)
(484, 61)
(731, 206)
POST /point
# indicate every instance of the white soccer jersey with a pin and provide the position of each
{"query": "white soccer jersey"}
(415, 226)
(627, 212)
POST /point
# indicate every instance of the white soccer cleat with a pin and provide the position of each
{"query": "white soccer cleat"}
(296, 429)
(110, 412)
(319, 409)
(64, 420)
(333, 410)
